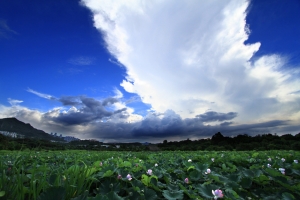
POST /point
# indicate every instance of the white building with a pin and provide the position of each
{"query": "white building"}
(9, 134)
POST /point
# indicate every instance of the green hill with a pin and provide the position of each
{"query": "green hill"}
(14, 125)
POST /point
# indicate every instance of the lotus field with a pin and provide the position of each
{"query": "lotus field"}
(91, 175)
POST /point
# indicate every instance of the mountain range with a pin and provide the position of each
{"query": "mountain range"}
(19, 127)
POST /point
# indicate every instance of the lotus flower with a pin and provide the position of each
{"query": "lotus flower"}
(100, 164)
(213, 159)
(119, 176)
(156, 165)
(217, 194)
(149, 172)
(268, 165)
(269, 159)
(128, 177)
(186, 180)
(189, 160)
(296, 161)
(208, 171)
(282, 170)
(282, 159)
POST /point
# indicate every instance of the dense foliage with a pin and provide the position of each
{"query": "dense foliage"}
(218, 142)
(112, 175)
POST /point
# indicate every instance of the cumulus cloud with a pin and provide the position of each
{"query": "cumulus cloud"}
(191, 57)
(189, 61)
(89, 119)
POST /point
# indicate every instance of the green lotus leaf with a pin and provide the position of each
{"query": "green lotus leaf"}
(262, 180)
(246, 182)
(57, 193)
(2, 193)
(108, 173)
(206, 190)
(248, 173)
(113, 196)
(108, 186)
(195, 175)
(150, 194)
(173, 195)
(232, 194)
(287, 196)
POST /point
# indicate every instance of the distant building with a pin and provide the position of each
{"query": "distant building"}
(70, 138)
(9, 134)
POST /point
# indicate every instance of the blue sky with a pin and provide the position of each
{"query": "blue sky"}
(151, 70)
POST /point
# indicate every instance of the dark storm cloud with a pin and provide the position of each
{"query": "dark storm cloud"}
(85, 110)
(69, 101)
(119, 111)
(226, 123)
(76, 118)
(91, 120)
(109, 101)
(170, 124)
(97, 119)
(212, 116)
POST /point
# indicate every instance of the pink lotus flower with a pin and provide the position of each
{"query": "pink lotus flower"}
(129, 177)
(217, 194)
(208, 171)
(282, 170)
(186, 180)
(119, 176)
(149, 172)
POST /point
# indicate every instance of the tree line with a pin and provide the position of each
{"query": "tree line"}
(242, 142)
(217, 142)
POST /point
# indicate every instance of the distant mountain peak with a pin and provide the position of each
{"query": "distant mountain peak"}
(12, 124)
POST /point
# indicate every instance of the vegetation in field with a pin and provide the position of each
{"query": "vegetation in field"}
(145, 175)
(218, 142)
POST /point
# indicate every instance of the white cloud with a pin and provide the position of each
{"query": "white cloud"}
(190, 56)
(118, 93)
(46, 96)
(14, 102)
